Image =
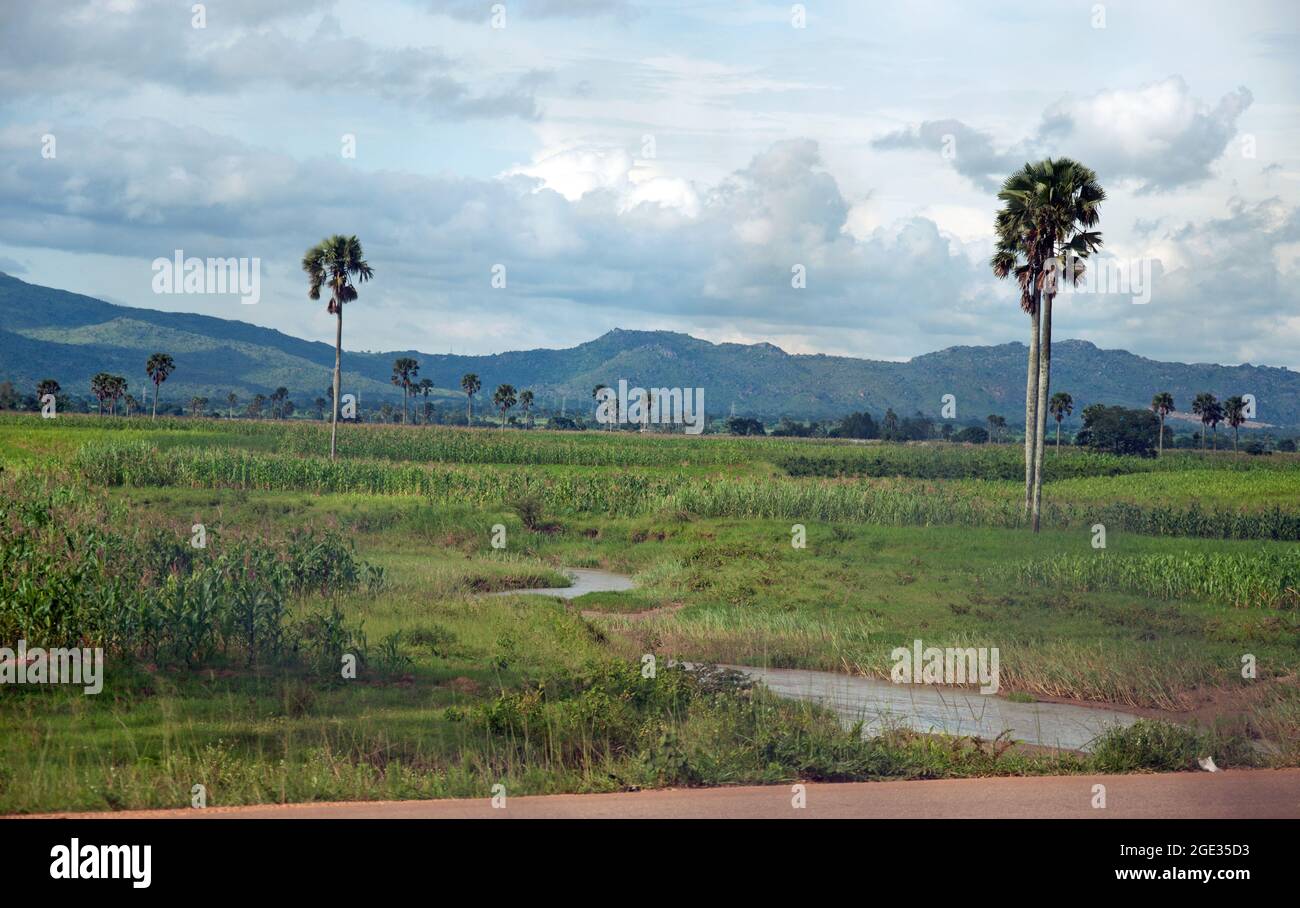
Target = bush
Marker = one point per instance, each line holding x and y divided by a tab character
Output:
973	435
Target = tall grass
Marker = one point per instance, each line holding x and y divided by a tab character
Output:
1266	579
630	492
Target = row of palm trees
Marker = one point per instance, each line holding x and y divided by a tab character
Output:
1206	406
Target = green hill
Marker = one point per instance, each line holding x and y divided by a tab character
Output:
67	336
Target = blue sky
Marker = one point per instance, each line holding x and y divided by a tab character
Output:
661	165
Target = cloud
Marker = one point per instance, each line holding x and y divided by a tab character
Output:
104	48
1158	136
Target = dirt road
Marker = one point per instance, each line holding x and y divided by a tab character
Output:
1230	794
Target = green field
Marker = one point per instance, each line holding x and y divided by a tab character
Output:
223	662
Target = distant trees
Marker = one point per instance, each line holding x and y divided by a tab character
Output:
504	398
974	435
231	399
1234	409
159	366
425	388
279	401
1162	404
1060	406
254	409
996	425
198	405
47	386
1118	430
595	395
858	425
405	369
471	385
107	387
336	262
744	425
320	404
1208	408
526	404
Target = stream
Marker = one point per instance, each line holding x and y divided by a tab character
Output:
882	704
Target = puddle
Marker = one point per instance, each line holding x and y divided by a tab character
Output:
929	709
881	704
585	580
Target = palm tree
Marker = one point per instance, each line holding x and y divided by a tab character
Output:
595	395
1215	415
335	262
256	404
1204	406
1041	234
504	398
470	384
47	386
320	403
197	405
996	425
130	404
116	389
404	369
1061	405
1163	404
425	388
231	399
100	386
1234	408
278	398
159	366
526	402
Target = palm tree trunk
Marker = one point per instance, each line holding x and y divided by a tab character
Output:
1160	442
1031	405
338	365
469	410
154	415
1044	381
1058	436
1234	439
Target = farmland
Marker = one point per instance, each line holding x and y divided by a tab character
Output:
222	661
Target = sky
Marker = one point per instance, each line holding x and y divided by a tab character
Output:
534	173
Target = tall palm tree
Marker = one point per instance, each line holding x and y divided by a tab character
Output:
1204	406
996	425
130	404
526	402
47	386
504	398
336	262
404	370
159	366
1060	406
231	399
1234	408
1042	235
279	397
471	385
1163	405
198	405
595	395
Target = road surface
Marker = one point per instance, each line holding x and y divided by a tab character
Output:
1249	794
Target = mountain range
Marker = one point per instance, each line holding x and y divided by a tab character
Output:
49	333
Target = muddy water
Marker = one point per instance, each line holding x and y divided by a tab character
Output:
881	704
585	580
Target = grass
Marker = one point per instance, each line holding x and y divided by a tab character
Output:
459	691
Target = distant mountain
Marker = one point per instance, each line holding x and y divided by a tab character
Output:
53	333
